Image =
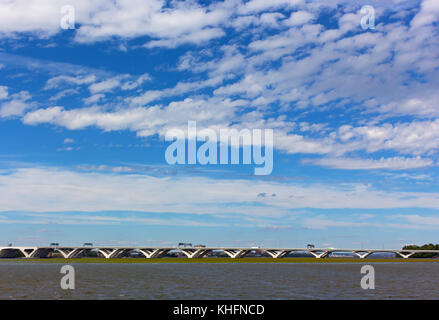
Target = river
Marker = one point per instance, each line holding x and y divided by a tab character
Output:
29	280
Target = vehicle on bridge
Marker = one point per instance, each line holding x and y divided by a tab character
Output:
184	244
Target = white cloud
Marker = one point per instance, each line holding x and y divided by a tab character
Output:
55	82
367	77
395	163
425	104
186	22
271	19
62	190
16	105
62	94
299	18
395	222
105	86
100	20
428	14
33	16
123	81
139	119
130	85
254	6
197	37
96	219
416	137
321	223
3	92
418	219
94	98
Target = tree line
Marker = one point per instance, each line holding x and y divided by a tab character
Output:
429	246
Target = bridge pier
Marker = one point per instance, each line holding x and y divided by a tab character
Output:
119	252
195	253
362	256
151	253
69	253
276	254
109	253
404	256
236	253
27	252
323	254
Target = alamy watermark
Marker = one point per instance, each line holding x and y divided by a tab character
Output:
252	143
68	19
68	281
368	18
368	280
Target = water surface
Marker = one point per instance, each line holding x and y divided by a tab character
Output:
28	280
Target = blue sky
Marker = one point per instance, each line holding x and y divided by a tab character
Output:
84	113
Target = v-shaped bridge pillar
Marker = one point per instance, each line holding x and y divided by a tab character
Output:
362	254
320	255
195	253
236	253
112	252
277	253
405	256
153	253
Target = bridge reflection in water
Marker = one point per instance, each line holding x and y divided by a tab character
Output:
190	252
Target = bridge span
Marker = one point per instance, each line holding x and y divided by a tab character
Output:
190	252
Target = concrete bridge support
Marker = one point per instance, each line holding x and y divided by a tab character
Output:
27	252
405	256
236	253
112	252
151	253
320	255
195	253
276	254
120	252
362	254
68	253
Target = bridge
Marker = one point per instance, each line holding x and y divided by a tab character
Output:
148	252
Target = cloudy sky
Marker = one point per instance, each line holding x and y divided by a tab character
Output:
84	113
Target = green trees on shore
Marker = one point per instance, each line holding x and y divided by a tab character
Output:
429	246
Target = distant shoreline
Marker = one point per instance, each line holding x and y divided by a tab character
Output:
220	260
